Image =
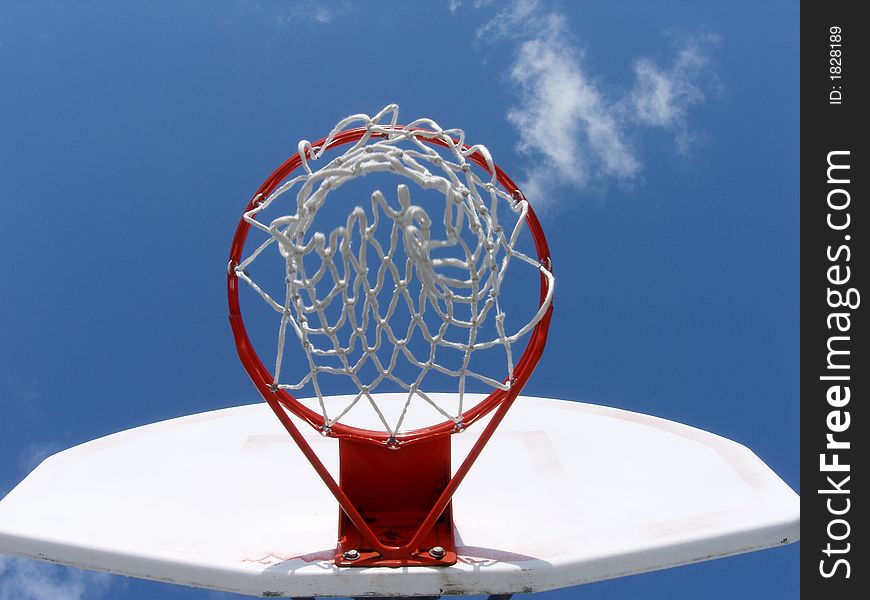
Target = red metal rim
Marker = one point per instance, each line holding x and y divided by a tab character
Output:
261	376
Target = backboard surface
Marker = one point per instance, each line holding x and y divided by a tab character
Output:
565	493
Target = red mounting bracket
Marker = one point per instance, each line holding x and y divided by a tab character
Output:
394	490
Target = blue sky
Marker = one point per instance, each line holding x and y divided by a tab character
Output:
658	142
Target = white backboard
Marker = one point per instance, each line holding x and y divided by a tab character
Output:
565	493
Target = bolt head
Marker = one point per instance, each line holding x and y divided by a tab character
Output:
351	554
437	552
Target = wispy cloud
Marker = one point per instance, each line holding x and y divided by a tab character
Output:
662	96
22	579
574	132
300	11
311	11
522	19
36	452
455	5
563	120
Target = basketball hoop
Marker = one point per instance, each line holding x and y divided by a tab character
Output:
341	311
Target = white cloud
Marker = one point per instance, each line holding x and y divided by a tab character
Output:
286	13
311	11
22	579
522	18
564	121
574	133
454	5
662	97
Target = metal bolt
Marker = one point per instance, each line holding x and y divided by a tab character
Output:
437	552
351	555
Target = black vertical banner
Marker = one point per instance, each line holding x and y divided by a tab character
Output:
835	225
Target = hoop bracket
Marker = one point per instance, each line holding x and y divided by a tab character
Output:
394	491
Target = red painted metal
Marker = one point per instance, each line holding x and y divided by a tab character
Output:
394	491
395	501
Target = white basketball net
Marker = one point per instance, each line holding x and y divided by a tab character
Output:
482	251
